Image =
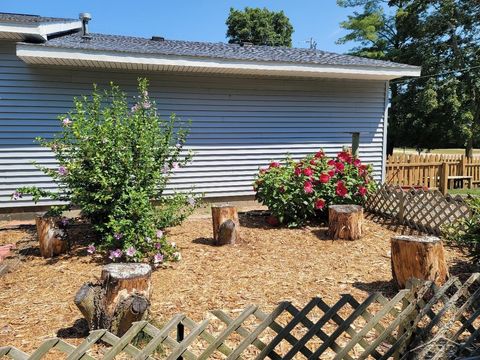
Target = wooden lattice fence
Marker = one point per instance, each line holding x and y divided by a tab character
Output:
424	210
423	322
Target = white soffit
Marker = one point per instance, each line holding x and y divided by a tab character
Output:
39	54
39	31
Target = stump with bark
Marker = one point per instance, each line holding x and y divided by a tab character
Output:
226	226
345	222
420	257
121	297
52	240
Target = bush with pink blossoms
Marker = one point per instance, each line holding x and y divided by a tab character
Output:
298	191
115	160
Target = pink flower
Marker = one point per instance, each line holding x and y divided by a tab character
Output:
298	171
324	178
62	171
159	234
331	162
16	195
313	162
91	249
331	173
115	254
158	258
308	172
344	156
357	163
319	204
66	122
131	251
308	187
341	190
339	166
175	165
274	164
158	246
362	190
320	154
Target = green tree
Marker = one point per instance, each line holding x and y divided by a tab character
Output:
259	26
442	36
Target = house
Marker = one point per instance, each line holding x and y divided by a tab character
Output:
248	104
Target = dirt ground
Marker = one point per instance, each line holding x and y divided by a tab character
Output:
269	265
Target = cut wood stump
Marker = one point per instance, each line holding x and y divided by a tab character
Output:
226	226
120	298
419	257
52	240
345	222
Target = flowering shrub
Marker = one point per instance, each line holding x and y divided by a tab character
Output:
114	162
297	191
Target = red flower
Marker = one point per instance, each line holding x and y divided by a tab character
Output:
308	187
331	173
357	163
319	204
331	162
320	154
339	166
362	190
308	172
344	156
298	171
341	190
362	170
313	162
274	164
324	178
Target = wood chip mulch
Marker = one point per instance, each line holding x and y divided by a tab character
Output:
269	265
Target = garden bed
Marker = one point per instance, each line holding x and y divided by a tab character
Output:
269	265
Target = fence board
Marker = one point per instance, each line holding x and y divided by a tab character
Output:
426	170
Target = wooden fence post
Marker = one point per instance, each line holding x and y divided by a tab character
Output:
444	178
463	166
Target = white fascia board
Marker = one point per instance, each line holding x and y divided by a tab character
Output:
45	55
40	30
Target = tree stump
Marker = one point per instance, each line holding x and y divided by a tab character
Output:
420	257
52	240
345	222
121	297
226	225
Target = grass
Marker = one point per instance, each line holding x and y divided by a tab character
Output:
475	191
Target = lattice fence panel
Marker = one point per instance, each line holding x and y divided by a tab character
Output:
424	321
423	210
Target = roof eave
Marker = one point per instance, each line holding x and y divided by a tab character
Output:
39	54
38	31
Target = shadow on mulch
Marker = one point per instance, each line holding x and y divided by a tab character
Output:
391	225
387	288
204	241
463	269
79	329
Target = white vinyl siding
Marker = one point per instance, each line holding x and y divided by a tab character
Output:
237	123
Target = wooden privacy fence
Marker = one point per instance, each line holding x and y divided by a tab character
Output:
424	210
425	319
432	171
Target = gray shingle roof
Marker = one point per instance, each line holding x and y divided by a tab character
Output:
128	44
30	19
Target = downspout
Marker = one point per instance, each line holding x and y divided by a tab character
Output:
385	129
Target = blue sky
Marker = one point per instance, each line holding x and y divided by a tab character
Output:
202	20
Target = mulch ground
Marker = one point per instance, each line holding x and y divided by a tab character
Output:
269	265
